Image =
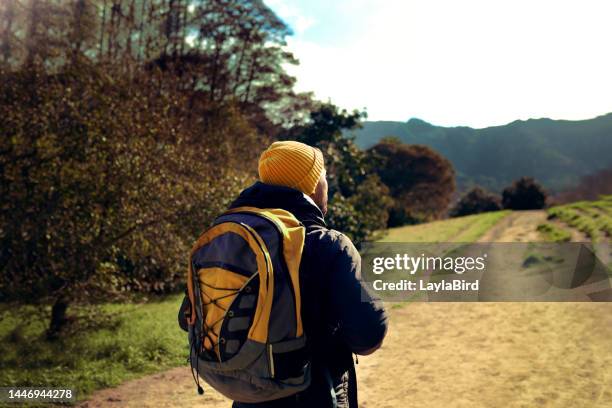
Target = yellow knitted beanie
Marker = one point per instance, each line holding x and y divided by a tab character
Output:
291	164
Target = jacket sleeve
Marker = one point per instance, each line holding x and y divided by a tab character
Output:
362	320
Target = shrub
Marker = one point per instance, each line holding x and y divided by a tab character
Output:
524	194
476	201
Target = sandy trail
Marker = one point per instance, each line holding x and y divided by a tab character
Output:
493	355
452	355
518	226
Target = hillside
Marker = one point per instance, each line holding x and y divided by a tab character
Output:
555	152
577	222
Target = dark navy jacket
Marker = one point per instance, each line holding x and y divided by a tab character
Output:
340	316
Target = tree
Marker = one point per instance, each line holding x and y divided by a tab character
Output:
590	187
420	180
8	42
126	126
82	29
363	215
359	201
109	189
476	201
221	52
524	194
236	55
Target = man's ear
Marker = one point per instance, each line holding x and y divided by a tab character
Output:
320	194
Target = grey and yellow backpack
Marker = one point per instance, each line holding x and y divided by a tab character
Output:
242	311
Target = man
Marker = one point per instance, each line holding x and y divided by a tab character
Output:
340	316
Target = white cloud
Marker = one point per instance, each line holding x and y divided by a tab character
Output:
470	62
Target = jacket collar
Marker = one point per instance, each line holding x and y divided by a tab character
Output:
263	195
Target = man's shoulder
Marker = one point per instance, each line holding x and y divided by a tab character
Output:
329	241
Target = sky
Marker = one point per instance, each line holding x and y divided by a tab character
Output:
471	63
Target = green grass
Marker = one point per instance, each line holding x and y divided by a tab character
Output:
140	339
554	233
594	218
460	229
602	218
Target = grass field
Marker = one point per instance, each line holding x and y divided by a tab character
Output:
137	340
461	229
593	218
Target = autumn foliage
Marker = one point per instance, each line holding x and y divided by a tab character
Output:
420	180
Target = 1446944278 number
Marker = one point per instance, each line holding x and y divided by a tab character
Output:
15	394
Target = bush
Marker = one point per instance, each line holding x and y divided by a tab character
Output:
476	201
524	194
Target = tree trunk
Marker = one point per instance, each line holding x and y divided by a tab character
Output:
58	317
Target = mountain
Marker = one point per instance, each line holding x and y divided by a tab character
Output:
556	152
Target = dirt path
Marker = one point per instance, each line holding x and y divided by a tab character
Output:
521	226
518	226
452	355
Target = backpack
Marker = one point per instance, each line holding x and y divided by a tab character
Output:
243	306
